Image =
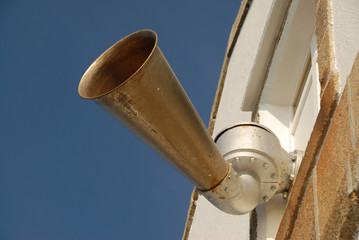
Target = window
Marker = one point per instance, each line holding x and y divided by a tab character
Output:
306	102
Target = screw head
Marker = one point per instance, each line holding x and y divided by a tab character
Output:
265	165
291	177
273	188
285	194
273	176
265	198
229	176
237	158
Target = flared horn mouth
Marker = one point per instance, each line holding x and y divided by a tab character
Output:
115	66
134	83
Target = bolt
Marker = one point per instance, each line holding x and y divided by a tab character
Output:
285	194
229	177
252	159
237	158
273	188
265	165
291	177
294	158
273	175
265	198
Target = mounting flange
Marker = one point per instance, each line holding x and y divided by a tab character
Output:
255	150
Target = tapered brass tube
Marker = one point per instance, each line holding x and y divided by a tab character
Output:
134	83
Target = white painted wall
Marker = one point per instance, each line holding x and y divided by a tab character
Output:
277	119
346	36
209	222
267	215
240	66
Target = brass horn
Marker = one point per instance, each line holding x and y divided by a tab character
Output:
134	83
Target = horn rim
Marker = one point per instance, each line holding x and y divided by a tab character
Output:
85	79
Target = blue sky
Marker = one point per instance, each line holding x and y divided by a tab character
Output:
67	169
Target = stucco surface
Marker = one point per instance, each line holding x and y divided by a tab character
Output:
346	36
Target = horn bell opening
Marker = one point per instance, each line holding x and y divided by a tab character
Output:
116	65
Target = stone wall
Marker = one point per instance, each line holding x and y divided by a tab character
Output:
323	203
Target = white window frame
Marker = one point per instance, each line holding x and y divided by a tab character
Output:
311	86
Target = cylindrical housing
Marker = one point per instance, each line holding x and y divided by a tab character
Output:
134	83
245	141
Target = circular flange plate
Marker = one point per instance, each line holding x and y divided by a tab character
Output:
259	167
